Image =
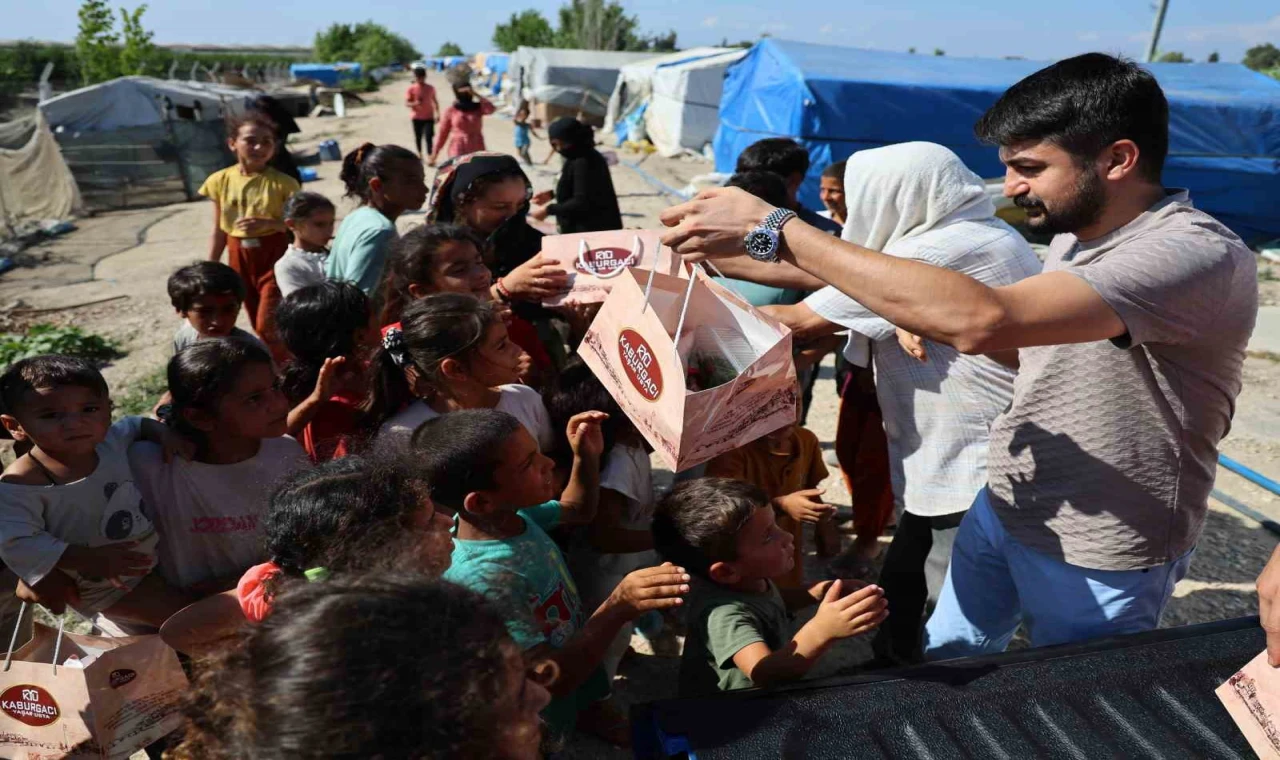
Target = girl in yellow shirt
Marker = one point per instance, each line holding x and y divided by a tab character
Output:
248	216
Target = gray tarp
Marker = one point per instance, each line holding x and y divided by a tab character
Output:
579	79
35	183
140	102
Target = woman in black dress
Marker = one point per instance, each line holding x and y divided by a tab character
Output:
584	199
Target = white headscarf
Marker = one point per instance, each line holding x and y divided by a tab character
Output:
900	191
904	190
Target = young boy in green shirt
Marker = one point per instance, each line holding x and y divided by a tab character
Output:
485	465
724	532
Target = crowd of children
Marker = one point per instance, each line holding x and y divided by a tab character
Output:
407	412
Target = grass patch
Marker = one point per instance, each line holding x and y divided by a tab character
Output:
52	339
1270	356
142	394
1267	274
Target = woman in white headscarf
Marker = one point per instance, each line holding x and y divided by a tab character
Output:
919	201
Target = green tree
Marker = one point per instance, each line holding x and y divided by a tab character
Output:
911	50
1262	57
337	43
597	25
528	27
371	45
663	43
1213	57
1173	56
96	43
449	48
939	51
138	49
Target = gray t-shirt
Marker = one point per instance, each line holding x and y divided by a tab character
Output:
1107	454
186	335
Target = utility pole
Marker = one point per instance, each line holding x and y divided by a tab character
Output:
1155	30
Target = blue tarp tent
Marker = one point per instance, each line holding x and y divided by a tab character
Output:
326	73
1224	122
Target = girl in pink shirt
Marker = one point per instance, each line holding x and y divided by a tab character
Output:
461	123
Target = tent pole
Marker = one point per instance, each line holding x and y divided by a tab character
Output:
1155	30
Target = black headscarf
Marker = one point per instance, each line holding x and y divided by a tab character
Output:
465	101
576	136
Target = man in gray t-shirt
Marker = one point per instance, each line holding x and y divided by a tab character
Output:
1130	346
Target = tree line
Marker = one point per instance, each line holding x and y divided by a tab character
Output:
583	25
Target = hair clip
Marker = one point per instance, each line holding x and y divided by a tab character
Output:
393	344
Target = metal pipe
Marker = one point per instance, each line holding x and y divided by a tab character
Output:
1252	476
1247	511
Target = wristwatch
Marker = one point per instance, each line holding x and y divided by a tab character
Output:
762	242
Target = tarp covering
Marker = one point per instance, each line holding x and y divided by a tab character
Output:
35	183
684	109
579	79
326	73
1224	124
635	81
142	101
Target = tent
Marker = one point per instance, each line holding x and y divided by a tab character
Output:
681	99
1224	121
329	74
35	183
137	141
571	79
635	81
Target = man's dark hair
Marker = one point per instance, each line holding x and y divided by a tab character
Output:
835	171
697	524
1082	105
202	279
459	452
780	155
767	186
48	371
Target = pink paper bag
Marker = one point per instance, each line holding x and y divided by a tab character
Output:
640	347
594	260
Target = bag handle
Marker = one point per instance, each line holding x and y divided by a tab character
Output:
13	640
684	310
637	250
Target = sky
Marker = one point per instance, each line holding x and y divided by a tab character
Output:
984	28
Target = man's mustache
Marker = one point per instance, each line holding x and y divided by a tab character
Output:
1027	201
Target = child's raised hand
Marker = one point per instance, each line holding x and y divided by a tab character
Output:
653	588
584	434
174	444
535	280
805	506
324	381
841	615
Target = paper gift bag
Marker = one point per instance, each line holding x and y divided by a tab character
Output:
653	327
128	696
594	260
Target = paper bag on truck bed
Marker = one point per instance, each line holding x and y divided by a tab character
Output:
595	259
649	351
128	695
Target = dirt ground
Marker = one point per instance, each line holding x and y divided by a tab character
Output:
127	256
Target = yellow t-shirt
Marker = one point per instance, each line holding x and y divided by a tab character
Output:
249	195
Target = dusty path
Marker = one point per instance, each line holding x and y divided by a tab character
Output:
132	253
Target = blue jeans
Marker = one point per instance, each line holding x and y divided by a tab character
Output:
994	583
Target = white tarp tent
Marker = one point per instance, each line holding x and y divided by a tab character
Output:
139	141
575	79
142	101
635	81
684	107
35	183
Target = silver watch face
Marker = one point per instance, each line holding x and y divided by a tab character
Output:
762	244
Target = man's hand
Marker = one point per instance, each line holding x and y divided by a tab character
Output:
912	344
584	434
653	588
840	616
543	198
54	592
805	506
715	223
1269	606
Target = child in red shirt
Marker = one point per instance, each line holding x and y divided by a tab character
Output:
328	329
423	105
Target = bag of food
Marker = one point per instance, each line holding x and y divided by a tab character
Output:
595	259
696	368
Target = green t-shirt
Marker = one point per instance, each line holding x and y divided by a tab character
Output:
360	249
525	577
722	622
